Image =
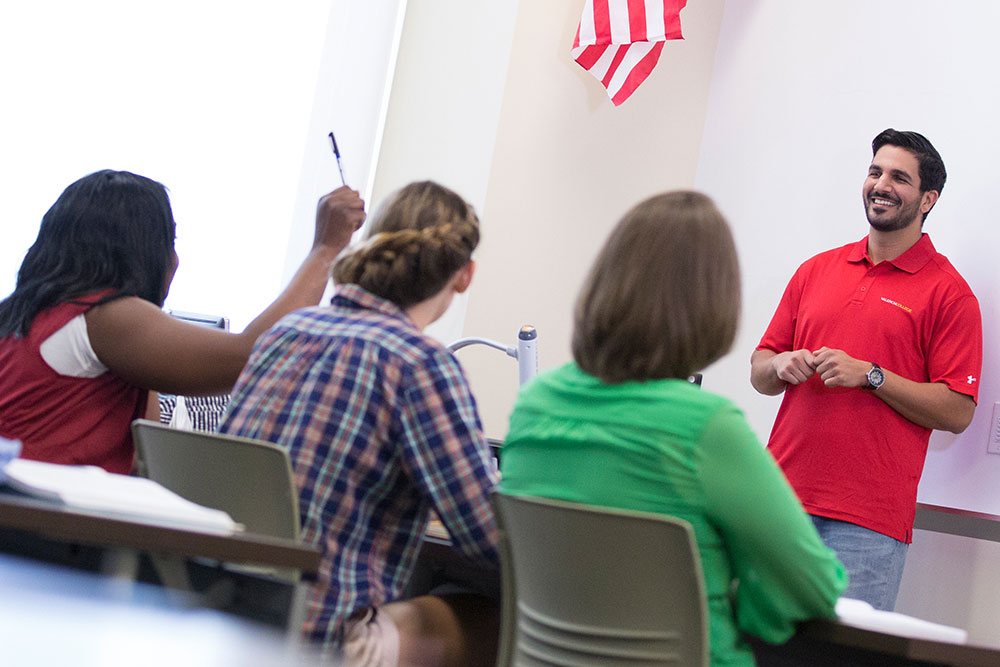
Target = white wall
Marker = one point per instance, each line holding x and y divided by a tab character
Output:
567	166
444	109
351	98
227	103
212	99
798	92
953	580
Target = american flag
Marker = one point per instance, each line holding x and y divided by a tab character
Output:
619	41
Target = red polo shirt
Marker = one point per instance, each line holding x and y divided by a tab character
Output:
847	454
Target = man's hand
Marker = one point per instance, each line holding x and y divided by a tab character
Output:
771	372
929	404
338	215
838	369
794	366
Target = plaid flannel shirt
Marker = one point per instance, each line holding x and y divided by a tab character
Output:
381	427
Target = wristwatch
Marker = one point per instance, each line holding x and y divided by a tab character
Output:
876	377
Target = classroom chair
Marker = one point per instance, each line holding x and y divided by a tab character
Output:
585	585
249	479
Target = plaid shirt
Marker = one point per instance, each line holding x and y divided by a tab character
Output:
381	428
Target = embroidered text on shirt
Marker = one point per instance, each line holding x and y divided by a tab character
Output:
897	304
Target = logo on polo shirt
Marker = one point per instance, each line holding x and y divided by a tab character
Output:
897	304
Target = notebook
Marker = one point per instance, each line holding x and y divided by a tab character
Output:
92	489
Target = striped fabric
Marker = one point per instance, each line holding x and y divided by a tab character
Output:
204	412
381	427
619	41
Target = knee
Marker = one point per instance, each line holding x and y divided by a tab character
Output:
427	631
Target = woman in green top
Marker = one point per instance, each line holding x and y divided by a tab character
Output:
622	427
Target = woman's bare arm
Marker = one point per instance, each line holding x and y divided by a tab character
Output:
138	341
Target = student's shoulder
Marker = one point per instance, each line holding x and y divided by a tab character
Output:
714	408
726	432
397	339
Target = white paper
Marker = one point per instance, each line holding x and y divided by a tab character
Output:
93	489
860	614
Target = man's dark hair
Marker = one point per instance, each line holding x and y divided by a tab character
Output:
932	172
111	230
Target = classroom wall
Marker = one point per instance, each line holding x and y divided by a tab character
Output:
212	99
441	120
351	96
566	167
953	580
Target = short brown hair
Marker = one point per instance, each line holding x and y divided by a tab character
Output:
420	237
663	298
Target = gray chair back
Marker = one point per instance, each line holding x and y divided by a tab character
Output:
249	479
587	585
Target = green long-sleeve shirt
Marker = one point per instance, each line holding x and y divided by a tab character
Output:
667	446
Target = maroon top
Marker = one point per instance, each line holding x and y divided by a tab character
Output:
63	419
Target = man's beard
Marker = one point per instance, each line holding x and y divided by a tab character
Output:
904	215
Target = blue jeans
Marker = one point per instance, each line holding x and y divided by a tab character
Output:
874	561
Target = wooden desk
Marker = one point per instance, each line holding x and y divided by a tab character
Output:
53	533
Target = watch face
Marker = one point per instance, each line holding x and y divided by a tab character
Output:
876	377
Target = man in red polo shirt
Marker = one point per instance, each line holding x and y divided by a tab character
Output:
874	345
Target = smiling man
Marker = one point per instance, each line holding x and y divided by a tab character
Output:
874	345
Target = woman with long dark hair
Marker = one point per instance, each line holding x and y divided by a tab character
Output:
83	337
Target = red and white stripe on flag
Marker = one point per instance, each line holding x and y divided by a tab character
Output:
619	41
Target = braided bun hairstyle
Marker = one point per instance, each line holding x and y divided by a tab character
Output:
419	238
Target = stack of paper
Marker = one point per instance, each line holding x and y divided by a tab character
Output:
92	489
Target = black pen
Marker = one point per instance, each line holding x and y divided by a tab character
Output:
336	152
